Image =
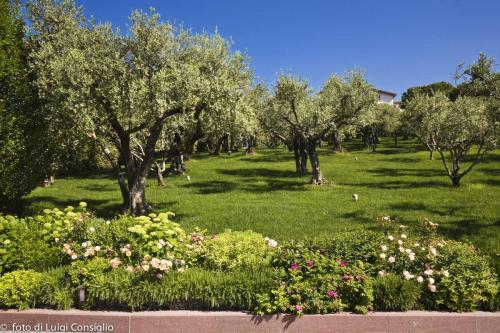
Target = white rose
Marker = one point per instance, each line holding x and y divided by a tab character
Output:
92	229
431	280
272	243
400	242
446	273
84	244
403	236
384	248
392	259
432	288
401	249
420	279
428	272
391	238
381	273
74	256
97	248
408	251
382	256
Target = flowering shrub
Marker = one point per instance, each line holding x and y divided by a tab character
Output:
151	262
452	275
238	250
18	289
314	282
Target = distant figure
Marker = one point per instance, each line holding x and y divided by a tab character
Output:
188	178
355	197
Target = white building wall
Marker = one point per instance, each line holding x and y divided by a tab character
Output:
385	98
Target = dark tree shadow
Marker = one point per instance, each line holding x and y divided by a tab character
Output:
397	184
212	187
258	172
399	172
102	207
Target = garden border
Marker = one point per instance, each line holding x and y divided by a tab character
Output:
220	322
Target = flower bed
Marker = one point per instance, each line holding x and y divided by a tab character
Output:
71	259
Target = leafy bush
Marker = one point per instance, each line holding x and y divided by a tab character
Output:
55	290
314	282
18	289
393	293
233	250
150	262
194	289
22	246
470	284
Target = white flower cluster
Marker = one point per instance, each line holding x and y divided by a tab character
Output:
126	250
69	251
399	243
270	242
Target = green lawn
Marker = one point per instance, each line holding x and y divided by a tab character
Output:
262	193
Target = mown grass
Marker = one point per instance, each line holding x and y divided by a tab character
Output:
261	192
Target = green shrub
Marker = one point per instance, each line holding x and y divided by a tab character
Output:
236	250
18	289
22	246
394	293
310	281
471	283
55	290
194	289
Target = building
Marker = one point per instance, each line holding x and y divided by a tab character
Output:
386	96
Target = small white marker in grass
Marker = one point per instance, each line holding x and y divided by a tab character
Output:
355	197
188	178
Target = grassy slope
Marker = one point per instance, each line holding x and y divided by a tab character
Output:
261	193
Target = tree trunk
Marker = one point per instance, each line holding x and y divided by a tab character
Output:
124	191
395	139
317	177
160	167
296	154
137	198
455	181
431	155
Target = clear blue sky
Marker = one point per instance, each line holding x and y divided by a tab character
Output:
398	44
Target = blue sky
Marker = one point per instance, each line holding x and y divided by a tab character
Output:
398	44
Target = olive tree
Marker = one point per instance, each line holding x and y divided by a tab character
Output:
459	130
309	118
377	121
124	89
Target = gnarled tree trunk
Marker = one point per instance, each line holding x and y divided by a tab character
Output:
316	177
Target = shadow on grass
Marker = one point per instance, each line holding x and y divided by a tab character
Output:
212	186
398	172
271	174
398	184
269	158
103	208
490	171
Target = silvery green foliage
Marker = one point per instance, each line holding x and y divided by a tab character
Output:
457	129
131	91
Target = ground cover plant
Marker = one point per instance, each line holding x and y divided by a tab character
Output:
262	193
150	262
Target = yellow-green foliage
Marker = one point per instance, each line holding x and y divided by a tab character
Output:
237	250
18	289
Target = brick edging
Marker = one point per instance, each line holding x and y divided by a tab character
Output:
222	322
